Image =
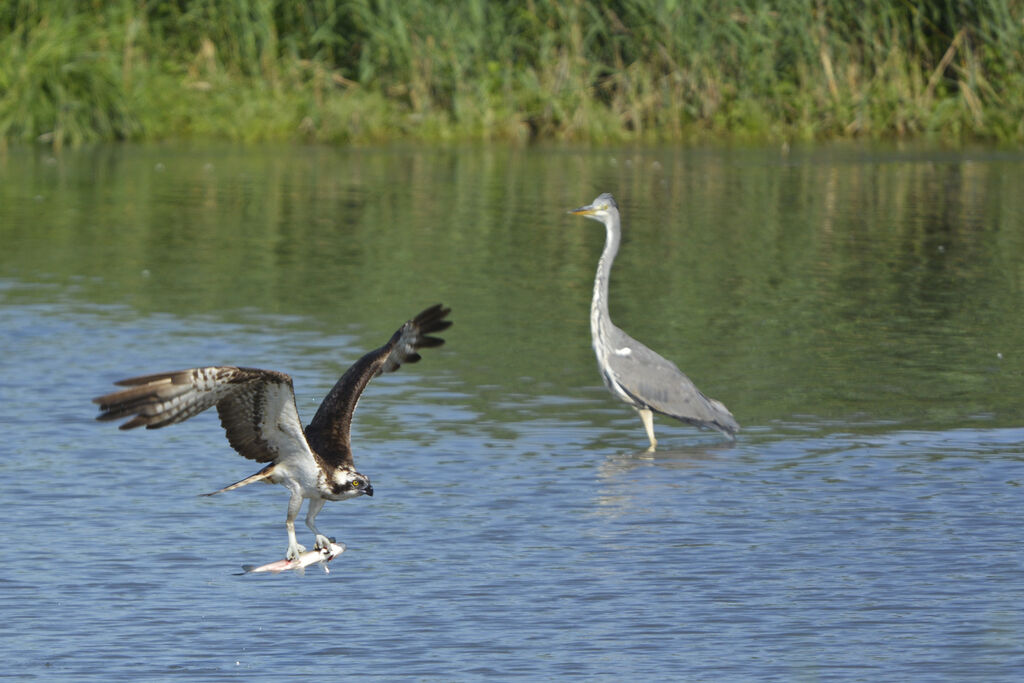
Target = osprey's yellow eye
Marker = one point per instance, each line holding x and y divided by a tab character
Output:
357	483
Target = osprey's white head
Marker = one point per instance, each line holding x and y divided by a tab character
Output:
346	483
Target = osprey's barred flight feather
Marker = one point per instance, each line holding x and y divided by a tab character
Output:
258	412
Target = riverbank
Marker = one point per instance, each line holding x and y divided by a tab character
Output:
367	72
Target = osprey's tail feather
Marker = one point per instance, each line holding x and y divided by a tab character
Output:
259	476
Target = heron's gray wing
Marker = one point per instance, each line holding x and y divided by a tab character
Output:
256	407
328	433
656	382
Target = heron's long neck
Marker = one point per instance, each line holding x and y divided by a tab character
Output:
599	304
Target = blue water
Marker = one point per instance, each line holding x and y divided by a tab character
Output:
865	526
801	552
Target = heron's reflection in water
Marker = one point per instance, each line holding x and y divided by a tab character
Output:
624	485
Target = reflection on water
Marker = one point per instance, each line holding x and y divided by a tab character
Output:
858	310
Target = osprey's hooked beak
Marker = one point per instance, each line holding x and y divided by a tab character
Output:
368	490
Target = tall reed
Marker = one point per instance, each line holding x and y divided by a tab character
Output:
367	70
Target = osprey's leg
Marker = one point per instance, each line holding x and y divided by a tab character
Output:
647	417
315	505
294	549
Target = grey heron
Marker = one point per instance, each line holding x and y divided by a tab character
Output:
631	371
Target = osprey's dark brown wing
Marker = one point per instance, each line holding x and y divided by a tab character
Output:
328	433
256	407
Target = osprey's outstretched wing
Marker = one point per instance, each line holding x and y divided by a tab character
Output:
256	407
328	433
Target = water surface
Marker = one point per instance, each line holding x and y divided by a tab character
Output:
859	311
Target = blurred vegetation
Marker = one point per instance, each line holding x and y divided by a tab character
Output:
831	282
73	71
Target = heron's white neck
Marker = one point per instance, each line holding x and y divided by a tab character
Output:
599	304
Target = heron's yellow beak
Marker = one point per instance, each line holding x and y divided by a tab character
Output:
588	210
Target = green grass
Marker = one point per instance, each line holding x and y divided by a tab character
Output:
363	71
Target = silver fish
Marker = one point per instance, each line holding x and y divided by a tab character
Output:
323	556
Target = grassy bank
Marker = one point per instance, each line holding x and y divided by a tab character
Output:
368	71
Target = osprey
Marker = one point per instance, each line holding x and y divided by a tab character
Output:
257	410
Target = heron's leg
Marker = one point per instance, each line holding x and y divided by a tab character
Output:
294	549
647	417
315	505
